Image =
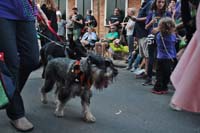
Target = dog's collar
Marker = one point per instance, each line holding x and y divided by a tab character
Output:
81	77
76	67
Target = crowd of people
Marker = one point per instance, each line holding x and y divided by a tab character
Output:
158	39
163	32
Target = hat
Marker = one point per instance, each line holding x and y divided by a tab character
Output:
58	13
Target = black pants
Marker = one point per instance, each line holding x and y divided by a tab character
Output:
163	73
152	56
18	41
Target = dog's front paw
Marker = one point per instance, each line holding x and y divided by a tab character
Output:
59	113
88	117
56	102
44	98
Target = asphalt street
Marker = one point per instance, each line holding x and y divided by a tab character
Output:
124	107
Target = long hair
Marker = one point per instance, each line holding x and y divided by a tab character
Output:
166	26
50	4
154	6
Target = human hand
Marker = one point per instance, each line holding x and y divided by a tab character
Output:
180	53
173	12
134	18
123	24
155	30
154	20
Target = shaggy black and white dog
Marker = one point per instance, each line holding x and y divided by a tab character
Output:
75	78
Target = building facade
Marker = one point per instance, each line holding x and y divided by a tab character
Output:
102	9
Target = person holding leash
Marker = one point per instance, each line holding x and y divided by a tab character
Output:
18	42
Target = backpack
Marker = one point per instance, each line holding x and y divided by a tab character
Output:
7	87
94	21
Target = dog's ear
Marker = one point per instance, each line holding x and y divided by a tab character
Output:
108	62
87	59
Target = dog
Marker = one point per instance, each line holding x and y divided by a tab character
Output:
75	78
73	50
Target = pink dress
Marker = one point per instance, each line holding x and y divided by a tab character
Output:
186	76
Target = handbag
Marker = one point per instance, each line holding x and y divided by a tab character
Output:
163	42
7	87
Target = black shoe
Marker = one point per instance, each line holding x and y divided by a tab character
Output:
147	82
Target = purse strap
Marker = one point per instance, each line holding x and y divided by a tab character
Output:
166	48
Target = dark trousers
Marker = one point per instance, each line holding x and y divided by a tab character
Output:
152	56
163	72
18	41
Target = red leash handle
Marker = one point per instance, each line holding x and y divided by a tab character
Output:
1	56
39	17
54	32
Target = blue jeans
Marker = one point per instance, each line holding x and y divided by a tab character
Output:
137	61
18	41
130	41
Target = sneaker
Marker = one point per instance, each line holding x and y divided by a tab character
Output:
164	92
22	124
147	82
141	76
133	69
128	68
136	70
159	92
156	92
139	71
174	107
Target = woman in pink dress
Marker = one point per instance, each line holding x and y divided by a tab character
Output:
186	76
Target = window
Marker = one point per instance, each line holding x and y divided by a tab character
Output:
110	5
83	5
61	4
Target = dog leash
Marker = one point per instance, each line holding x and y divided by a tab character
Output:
56	43
51	40
50	28
54	32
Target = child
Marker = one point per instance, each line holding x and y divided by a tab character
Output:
69	28
129	33
166	52
61	26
